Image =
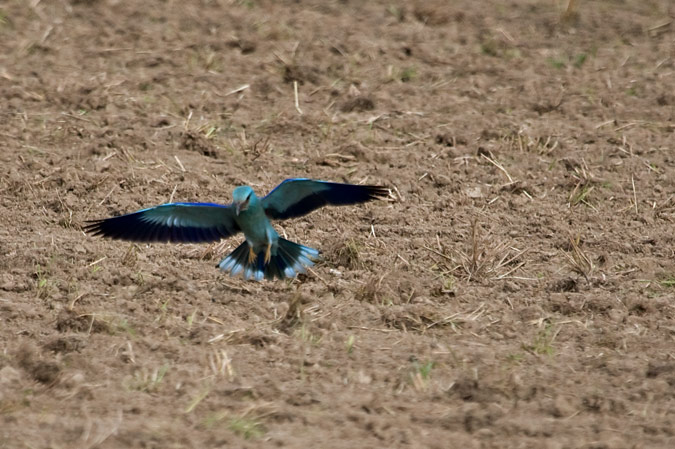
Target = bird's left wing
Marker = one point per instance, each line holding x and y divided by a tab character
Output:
174	222
298	197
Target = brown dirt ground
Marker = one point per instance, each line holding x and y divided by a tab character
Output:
517	291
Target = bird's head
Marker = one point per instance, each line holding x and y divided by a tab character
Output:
242	197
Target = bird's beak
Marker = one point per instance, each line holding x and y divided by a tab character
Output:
237	208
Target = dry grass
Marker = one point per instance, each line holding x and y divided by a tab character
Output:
373	291
580	194
348	254
577	258
483	259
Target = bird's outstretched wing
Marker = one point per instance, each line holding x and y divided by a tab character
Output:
174	222
297	197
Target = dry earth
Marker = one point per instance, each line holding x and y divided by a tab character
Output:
516	291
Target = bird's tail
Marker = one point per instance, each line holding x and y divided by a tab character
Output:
289	260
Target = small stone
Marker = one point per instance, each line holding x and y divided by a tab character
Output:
474	192
9	375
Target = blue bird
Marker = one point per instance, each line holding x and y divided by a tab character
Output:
263	254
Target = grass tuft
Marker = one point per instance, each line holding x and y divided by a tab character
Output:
580	194
667	281
305	333
486	259
543	341
407	74
372	291
199	397
421	374
43	285
580	59
148	382
247	428
578	260
349	255
349	345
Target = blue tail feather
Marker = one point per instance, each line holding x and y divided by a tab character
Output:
289	260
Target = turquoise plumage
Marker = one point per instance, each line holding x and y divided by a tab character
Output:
264	254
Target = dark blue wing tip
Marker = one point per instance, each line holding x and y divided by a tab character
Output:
354	193
377	192
93	227
113	228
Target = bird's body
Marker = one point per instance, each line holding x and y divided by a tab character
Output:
264	254
252	220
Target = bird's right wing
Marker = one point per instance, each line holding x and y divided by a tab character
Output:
174	222
300	196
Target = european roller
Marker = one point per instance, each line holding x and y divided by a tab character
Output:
264	254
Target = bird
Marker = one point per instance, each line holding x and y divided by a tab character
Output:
263	254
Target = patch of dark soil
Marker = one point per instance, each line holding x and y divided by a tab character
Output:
43	371
194	141
358	104
301	74
66	344
71	321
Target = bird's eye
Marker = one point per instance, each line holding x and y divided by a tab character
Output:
248	198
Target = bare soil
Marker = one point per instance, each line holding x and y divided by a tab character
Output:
517	290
